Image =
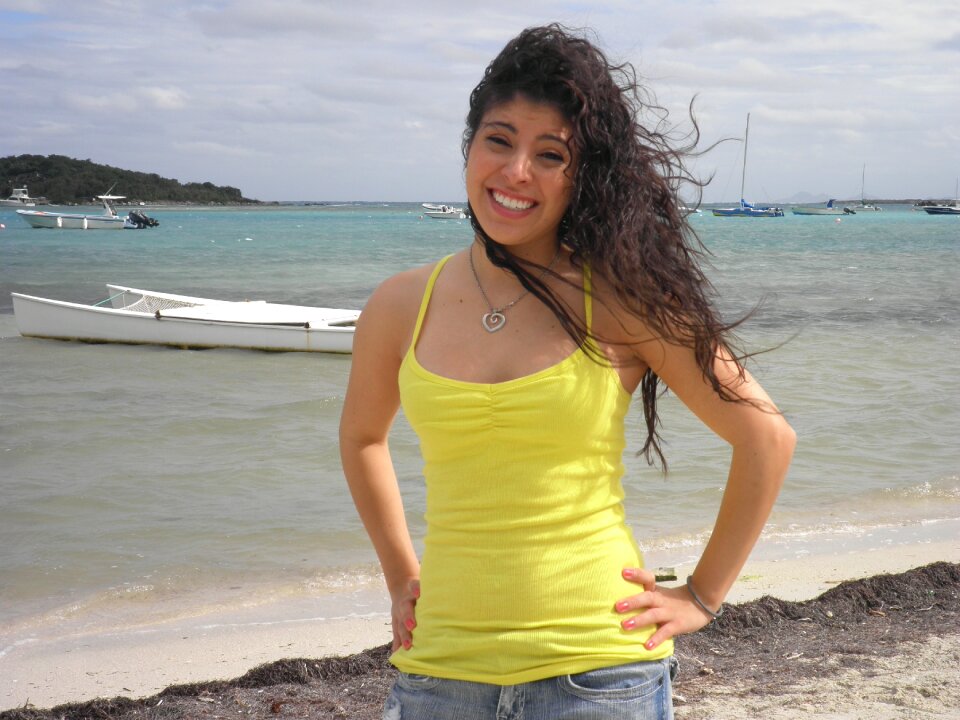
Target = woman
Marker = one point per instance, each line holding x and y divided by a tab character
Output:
515	360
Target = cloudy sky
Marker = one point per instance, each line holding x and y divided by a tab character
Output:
365	100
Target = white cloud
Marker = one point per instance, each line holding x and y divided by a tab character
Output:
101	103
308	98
168	98
215	149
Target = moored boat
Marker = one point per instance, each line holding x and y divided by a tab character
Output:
444	212
133	316
864	206
107	220
828	209
21	198
746	209
944	209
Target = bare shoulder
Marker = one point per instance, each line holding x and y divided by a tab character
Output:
390	313
614	322
398	291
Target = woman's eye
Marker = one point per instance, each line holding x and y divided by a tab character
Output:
497	140
553	156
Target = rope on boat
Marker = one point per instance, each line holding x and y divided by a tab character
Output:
109	299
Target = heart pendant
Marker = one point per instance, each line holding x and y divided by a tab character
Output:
493	321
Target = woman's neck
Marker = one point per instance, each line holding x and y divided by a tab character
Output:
539	254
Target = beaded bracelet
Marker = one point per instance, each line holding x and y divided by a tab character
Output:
698	601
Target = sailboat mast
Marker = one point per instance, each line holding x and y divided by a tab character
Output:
743	173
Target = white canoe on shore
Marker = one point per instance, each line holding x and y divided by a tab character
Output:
153	318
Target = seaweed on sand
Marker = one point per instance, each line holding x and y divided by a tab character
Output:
768	645
761	647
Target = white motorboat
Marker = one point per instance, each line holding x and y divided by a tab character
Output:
444	212
828	209
21	198
108	220
144	317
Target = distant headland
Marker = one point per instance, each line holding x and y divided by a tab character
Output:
66	181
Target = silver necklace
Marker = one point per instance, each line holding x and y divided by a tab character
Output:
495	319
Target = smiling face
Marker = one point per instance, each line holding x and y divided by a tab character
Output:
520	174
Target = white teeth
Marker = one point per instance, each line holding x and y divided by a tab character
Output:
511	203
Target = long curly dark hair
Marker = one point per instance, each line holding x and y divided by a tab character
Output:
624	219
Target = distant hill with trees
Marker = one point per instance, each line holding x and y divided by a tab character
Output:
63	181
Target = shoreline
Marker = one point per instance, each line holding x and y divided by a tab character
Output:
143	661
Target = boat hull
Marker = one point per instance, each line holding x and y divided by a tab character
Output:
446	215
942	210
820	211
69	221
829	209
56	319
748	212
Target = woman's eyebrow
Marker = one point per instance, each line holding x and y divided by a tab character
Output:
507	126
501	124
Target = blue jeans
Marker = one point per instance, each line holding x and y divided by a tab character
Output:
638	691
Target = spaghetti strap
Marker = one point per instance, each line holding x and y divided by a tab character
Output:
587	299
427	293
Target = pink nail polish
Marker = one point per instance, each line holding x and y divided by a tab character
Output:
649	645
409	624
629	624
622	606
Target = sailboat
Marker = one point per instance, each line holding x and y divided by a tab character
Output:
746	209
864	206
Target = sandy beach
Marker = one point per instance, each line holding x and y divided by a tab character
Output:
921	676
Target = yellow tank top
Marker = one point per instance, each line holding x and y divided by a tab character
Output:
526	536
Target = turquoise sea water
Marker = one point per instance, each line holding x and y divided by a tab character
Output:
138	483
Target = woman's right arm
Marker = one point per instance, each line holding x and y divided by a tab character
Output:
370	406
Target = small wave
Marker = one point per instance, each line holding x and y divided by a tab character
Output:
948	489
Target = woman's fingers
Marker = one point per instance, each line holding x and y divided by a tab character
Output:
669	610
663	633
404	616
641	576
640	601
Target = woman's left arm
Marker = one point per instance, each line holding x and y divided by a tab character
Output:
762	442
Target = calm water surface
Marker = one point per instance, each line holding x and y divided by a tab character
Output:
140	482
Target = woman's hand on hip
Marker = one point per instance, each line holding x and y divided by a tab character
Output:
672	610
402	611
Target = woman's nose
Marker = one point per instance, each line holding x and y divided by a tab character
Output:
518	167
